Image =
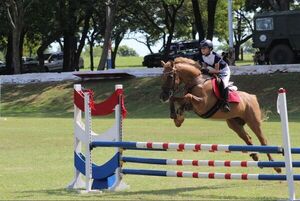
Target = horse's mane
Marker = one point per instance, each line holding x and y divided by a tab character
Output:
187	61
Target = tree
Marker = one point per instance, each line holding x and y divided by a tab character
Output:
6	38
198	19
92	37
211	11
17	11
126	51
110	14
159	20
243	29
171	10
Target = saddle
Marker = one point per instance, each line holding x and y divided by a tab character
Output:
218	88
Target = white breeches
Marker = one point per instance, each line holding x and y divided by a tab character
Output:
225	76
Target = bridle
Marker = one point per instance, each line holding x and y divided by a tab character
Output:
169	87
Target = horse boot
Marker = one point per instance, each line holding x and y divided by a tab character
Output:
226	107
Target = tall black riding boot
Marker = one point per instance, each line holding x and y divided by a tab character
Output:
226	107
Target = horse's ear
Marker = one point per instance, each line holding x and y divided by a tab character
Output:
162	63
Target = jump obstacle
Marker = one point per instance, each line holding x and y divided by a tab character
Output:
108	176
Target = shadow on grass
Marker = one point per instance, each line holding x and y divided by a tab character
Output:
135	195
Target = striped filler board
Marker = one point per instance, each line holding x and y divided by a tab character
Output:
206	175
212	163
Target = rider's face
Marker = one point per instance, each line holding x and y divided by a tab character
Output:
205	50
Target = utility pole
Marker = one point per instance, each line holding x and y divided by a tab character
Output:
231	53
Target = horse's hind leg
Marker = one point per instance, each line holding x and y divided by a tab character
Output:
254	123
237	125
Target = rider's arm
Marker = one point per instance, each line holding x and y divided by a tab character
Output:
216	67
215	70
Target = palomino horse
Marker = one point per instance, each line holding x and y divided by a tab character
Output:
200	98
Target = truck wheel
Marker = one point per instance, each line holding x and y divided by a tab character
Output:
281	54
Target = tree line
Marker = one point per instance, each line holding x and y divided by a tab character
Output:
74	24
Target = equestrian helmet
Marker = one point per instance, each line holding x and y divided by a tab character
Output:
206	43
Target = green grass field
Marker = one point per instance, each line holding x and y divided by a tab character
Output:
121	62
37	141
37	161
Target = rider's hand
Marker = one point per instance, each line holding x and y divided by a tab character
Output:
204	71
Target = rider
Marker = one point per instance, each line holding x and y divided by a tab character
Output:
212	63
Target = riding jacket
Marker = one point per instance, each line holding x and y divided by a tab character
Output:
212	59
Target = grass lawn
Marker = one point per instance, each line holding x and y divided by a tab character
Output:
37	161
37	141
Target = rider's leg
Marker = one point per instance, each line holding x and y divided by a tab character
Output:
225	76
226	107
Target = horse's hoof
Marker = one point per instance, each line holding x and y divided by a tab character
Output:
178	121
278	170
254	156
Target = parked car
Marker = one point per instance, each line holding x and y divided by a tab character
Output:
2	64
3	69
54	62
180	49
30	65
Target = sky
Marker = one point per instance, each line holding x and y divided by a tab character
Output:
140	48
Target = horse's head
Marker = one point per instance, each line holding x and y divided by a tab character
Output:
170	81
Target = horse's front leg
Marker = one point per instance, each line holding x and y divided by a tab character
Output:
193	101
177	113
172	109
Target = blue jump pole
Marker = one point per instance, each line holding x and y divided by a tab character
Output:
158	161
206	175
192	147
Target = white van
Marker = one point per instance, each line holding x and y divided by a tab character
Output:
55	62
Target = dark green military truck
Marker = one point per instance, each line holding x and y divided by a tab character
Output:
277	36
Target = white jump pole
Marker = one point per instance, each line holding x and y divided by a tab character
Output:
119	137
88	134
282	111
78	181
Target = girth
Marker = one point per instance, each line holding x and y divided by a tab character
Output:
212	110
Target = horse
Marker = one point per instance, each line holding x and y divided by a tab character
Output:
200	98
